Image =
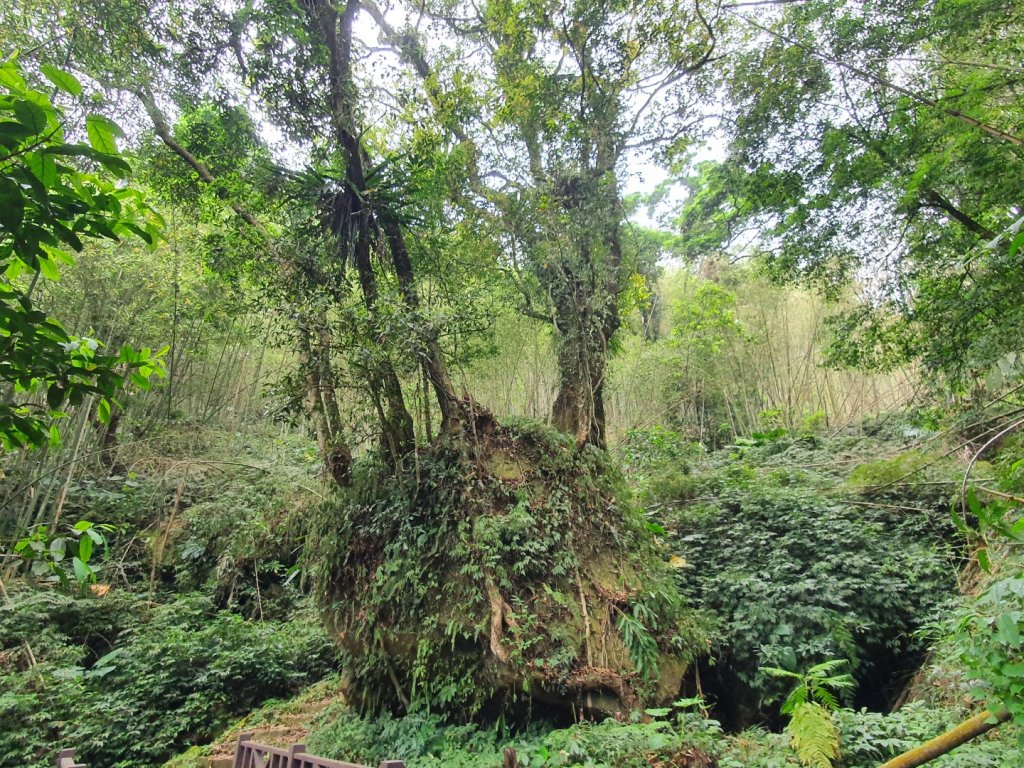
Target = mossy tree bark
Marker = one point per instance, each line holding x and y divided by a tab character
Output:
360	229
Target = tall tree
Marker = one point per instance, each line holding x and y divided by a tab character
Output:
173	55
567	92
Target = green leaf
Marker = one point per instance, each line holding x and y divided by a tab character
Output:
68	673
1007	630
101	132
693	701
82	571
103	411
44	167
48	269
58	548
63	80
12	204
958	520
32	116
10	77
983	560
814	735
104	661
85	549
972	502
12	133
1016	243
117	166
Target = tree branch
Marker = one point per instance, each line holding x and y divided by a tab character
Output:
934	200
162	130
928	102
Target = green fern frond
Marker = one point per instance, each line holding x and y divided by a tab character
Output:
782	673
823	697
825	668
795	698
813	735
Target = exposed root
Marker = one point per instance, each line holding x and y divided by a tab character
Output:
498	614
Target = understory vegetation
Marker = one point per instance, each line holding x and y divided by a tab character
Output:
788	549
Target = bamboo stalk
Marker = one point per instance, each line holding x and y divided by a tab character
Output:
981	723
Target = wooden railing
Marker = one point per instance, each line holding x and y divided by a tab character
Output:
251	754
66	759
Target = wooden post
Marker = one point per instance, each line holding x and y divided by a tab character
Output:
240	751
293	752
951	739
66	759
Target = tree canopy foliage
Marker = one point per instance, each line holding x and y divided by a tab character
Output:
881	143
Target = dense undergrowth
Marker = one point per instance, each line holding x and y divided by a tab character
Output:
807	550
805	547
792	548
686	740
191	619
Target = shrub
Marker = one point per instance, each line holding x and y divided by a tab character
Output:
131	683
425	741
800	569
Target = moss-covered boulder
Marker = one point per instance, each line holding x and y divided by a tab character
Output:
506	566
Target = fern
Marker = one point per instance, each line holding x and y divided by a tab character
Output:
813	735
811	730
641	645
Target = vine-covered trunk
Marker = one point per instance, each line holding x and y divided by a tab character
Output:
585	292
582	365
314	346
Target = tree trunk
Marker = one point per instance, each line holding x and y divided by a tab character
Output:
108	450
351	220
433	362
585	292
321	400
579	405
